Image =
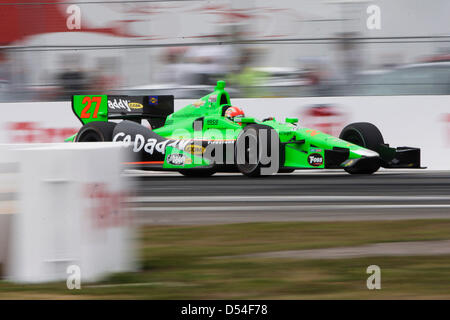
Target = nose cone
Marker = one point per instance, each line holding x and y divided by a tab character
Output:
365	152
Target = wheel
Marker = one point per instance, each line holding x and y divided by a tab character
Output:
249	163
96	131
368	136
363	134
197	173
286	170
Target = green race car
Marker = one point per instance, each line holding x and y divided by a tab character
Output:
210	135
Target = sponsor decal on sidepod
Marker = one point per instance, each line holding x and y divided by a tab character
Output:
315	159
176	159
150	145
195	149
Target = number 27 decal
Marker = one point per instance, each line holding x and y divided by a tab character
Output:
88	101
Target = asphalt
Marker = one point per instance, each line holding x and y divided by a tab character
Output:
169	198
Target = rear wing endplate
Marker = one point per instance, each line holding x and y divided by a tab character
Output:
90	108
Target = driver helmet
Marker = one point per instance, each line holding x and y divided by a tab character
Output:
234	113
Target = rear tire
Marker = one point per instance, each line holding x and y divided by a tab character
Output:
96	131
366	135
197	173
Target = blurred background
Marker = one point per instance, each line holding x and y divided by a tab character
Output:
287	48
301	235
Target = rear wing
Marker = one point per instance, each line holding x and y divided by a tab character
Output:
155	109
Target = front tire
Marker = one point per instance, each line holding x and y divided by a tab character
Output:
286	170
252	167
366	135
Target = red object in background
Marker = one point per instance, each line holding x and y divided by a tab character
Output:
29	18
446	119
33	17
326	118
437	58
313	78
31	132
107	209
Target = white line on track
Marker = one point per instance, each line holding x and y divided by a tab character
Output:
141	284
143	173
296	208
283	198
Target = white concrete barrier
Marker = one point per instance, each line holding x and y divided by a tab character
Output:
8	195
68	212
417	121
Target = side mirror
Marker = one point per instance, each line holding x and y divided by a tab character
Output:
247	120
292	120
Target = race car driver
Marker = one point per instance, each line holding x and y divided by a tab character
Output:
233	113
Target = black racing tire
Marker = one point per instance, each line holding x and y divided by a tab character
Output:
197	173
96	131
366	135
363	134
286	170
368	168
253	169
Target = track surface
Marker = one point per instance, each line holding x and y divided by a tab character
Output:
169	198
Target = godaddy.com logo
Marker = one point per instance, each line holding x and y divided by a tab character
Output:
253	148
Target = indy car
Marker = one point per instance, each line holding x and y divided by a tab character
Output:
211	135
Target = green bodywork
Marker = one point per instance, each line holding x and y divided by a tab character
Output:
210	108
